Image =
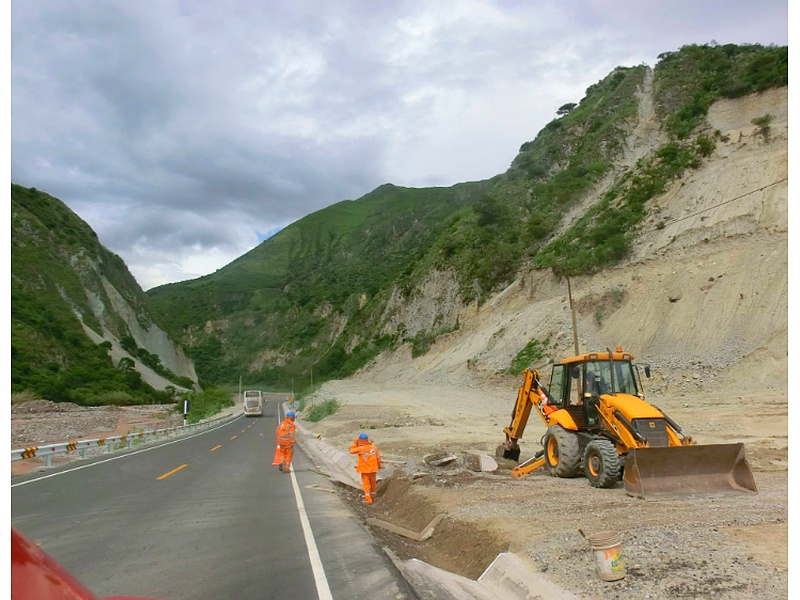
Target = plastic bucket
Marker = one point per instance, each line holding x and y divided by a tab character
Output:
608	559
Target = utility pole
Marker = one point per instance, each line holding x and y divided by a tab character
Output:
574	325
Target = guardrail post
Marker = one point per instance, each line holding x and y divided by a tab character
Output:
48	460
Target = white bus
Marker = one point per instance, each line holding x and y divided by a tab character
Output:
253	403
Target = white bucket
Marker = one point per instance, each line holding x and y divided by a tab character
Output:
608	559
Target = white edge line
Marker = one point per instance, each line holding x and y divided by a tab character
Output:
100	462
321	581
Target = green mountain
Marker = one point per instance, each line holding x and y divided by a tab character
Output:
327	294
81	327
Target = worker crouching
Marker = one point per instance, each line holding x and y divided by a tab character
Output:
369	463
284	436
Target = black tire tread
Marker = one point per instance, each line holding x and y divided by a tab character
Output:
610	470
569	452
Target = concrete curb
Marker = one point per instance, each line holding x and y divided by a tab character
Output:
334	463
507	578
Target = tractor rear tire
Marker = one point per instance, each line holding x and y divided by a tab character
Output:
601	463
562	452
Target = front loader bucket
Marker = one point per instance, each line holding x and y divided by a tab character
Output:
687	470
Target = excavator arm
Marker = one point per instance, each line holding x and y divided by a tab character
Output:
531	396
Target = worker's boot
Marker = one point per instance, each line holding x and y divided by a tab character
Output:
280	467
368	499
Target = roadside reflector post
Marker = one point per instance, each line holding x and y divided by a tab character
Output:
185	411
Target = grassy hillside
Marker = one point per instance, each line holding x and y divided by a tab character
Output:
56	266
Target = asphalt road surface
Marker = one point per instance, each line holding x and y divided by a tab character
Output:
204	517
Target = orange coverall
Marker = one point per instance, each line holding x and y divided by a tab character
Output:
369	462
284	436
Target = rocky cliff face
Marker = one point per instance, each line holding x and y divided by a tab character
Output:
109	307
703	298
148	336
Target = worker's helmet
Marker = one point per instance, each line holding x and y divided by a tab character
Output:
290	414
363	436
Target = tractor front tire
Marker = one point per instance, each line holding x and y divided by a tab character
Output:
601	463
562	452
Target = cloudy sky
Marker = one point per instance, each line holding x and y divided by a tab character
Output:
186	131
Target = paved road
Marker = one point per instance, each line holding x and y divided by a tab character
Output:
206	517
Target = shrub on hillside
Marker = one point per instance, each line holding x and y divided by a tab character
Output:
324	409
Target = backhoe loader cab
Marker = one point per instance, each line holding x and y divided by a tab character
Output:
577	383
599	426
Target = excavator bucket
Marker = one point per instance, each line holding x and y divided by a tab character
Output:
686	470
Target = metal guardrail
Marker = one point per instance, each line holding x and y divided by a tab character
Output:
113	443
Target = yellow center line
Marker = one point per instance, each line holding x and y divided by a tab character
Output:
243	430
216	447
234	437
165	475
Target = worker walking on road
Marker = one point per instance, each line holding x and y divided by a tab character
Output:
284	436
369	463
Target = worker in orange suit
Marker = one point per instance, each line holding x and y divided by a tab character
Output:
369	463
284	436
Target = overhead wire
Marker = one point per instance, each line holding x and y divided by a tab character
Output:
728	201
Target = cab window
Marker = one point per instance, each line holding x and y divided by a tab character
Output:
557	384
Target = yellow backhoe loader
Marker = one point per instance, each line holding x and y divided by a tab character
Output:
599	425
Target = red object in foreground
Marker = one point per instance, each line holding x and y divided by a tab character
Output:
35	575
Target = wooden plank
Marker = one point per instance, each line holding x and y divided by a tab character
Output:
394	529
428	531
412	535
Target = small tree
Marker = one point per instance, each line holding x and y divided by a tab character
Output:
763	125
566	108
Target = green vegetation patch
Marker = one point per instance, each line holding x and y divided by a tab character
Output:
324	409
205	404
534	351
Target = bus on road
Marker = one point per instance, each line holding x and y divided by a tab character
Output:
253	403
